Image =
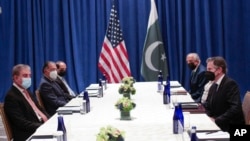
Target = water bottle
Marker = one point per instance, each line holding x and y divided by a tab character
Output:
105	81
181	117
86	98
177	120
159	84
166	94
83	108
160	81
100	92
160	77
58	136
193	136
61	127
101	84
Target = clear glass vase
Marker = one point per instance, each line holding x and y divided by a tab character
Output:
126	95
125	115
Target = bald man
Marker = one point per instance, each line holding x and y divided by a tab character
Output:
197	79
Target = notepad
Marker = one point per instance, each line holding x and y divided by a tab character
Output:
213	135
68	110
93	92
93	87
42	137
189	105
175	84
178	91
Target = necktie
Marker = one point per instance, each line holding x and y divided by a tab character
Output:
34	107
212	91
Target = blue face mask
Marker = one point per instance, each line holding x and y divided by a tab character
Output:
26	82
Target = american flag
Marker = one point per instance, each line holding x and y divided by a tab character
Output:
113	60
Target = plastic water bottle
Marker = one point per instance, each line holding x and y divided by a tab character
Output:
86	98
61	127
193	136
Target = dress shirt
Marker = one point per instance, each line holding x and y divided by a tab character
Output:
206	90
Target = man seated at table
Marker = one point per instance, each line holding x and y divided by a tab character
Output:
223	104
61	71
197	79
51	93
22	110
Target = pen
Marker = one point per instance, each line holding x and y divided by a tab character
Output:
212	132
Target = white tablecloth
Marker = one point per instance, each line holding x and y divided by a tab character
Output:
151	119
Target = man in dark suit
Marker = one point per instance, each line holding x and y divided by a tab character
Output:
52	94
223	103
24	113
61	71
197	79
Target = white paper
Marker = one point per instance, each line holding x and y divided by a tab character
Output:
93	86
175	84
69	108
215	135
54	139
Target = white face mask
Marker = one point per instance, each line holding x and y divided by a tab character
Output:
26	82
53	75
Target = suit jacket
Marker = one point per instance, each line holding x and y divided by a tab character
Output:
197	83
52	95
225	105
64	87
22	118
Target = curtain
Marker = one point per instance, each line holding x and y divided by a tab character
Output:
34	31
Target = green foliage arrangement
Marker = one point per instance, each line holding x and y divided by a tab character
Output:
110	133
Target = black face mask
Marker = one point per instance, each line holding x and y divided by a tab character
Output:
62	73
191	66
209	75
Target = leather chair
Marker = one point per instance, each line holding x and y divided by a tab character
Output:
246	107
6	123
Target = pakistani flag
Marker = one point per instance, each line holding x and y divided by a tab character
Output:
154	57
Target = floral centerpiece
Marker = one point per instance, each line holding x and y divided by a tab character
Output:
127	87
125	105
129	80
110	133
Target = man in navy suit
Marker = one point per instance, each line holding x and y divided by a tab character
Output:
22	110
223	103
61	71
52	94
197	79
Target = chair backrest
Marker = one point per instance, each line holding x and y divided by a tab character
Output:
246	107
39	99
6	123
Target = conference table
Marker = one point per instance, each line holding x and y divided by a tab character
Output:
151	119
